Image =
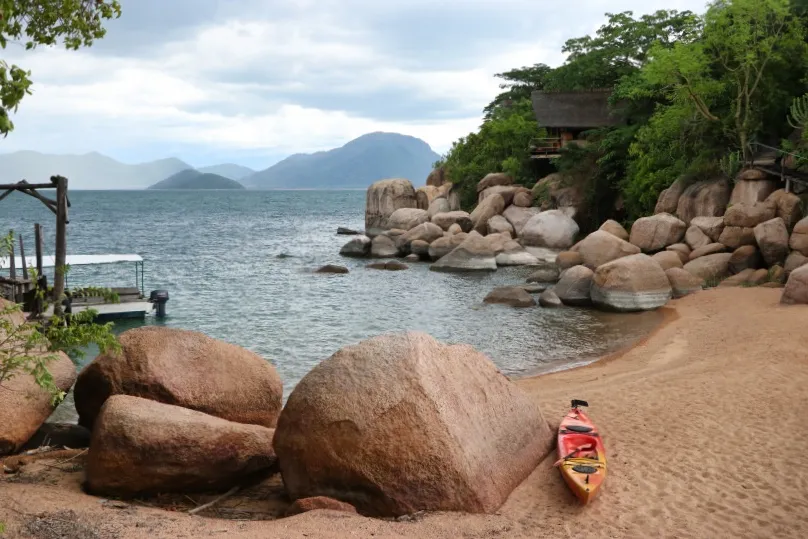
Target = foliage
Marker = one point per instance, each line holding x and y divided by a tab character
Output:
731	164
74	23
798	112
519	85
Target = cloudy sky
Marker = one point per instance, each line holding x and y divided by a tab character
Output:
251	81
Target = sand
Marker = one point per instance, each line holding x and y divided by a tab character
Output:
705	424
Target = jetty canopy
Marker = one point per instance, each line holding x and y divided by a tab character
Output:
49	261
583	109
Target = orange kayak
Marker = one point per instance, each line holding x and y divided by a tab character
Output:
582	457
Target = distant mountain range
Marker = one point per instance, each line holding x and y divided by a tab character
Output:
194	179
355	165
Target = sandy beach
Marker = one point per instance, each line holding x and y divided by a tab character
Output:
704	425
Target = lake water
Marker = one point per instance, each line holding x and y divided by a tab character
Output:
216	252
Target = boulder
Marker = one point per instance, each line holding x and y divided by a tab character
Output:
668	259
710	267
391	265
342	231
736	236
551	229
420	248
485	210
709	249
787	206
696	238
711	226
546	273
744	257
140	446
535	288
657	232
383	247
446	220
601	247
499	242
777	274
332	268
507	192
795	260
796	290
412	258
681	249
427	232
632	283
548	298
749	215
439	205
513	254
24	406
683	282
616	229
383	198
492	179
568	259
183	368
498	224
304	505
668	199
402	423
437	177
510	295
799	237
573	287
523	199
445	245
456	229
703	199
408	218
752	188
474	254
752	174
558	192
518	217
747	277
425	195
357	246
772	238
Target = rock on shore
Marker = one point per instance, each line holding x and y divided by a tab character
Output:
383	198
632	283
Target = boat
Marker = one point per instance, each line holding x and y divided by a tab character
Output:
582	457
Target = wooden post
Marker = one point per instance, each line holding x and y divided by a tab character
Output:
24	265
61	244
12	271
38	248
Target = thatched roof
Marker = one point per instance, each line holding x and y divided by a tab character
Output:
582	109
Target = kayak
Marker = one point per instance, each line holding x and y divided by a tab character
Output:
582	457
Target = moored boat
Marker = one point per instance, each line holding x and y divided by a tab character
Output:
582	456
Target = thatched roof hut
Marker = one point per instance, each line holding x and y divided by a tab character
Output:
575	110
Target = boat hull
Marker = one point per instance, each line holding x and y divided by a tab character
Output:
582	456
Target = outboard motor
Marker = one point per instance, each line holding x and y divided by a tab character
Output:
159	298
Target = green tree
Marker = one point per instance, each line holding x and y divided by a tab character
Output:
519	85
29	23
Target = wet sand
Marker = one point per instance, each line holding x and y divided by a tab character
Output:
704	424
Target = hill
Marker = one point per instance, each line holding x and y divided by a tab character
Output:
228	170
194	179
355	165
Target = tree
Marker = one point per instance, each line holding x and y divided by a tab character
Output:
73	23
519	85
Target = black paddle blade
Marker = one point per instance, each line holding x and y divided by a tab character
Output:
576	403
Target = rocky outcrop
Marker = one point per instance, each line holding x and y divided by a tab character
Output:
752	186
614	228
420	248
745	257
748	277
456	229
551	229
439	205
383	247
573	287
601	247
427	232
544	273
711	226
709	249
787	206
460	218
492	179
772	238
696	238
425	195
408	218
796	290
668	259
437	177
498	224
518	217
548	298
749	215
183	368
703	199
710	267
683	282
655	233
556	192
139	446
507	192
523	199
632	283
383	198
795	260
485	210
474	254
799	237
358	246
568	259
304	505
445	245
403	423
736	236
513	296
513	254
668	199
681	249
332	268
498	242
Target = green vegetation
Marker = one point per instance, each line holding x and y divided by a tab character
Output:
696	91
29	23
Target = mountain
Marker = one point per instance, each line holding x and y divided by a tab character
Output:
228	170
193	179
355	165
88	171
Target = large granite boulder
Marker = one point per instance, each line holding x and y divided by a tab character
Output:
703	199
474	254
304	505
737	236
682	250
601	247
752	186
383	198
402	423
183	368
695	237
514	296
485	210
408	218
683	282
24	406
551	229
445	245
668	259
772	238
437	177
357	246
544	273
492	179
140	446
425	195
749	215
709	249
795	260
668	199
796	290
507	192
549	299
427	232
513	254
711	226
632	283
383	246
498	224
518	217
788	206
573	288
710	267
655	233
745	257
446	220
523	199
616	229
799	237
567	259
439	205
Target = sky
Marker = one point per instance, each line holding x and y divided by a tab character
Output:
252	81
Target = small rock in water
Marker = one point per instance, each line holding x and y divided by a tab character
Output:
535	288
342	231
392	265
284	255
546	274
412	258
515	296
548	298
331	268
